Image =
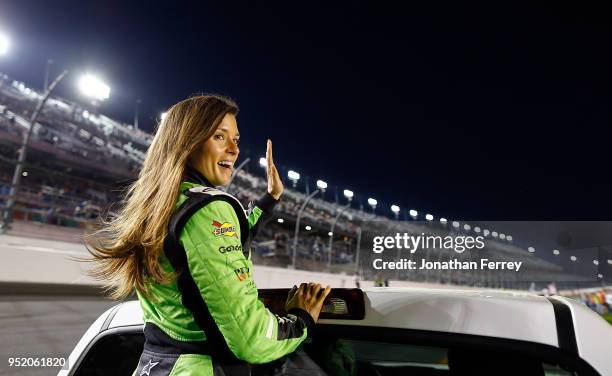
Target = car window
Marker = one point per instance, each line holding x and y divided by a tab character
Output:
114	354
361	357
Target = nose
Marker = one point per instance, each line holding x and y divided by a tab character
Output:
233	148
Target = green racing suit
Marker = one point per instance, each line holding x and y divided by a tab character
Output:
210	320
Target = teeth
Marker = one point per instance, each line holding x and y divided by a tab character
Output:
226	163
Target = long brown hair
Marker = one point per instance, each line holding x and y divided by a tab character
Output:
126	249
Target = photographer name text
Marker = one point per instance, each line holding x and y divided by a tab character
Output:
406	264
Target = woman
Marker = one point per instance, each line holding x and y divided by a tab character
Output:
184	247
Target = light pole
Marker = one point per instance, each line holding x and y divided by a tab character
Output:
138	102
10	203
321	185
349	196
240	166
372	202
396	210
47	73
294	177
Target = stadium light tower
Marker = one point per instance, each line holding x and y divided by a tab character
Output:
7	216
372	202
294	176
4	44
94	88
349	196
396	210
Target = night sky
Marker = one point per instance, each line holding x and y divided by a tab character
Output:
481	112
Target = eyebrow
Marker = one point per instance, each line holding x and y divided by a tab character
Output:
226	131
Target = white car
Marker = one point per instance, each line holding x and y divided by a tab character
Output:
391	331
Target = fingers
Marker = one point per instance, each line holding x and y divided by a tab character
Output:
302	288
313	291
269	157
323	293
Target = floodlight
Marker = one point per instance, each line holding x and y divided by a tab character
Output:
429	217
280	220
4	44
413	213
321	184
348	194
93	87
308	228
531	249
293	175
263	162
395	208
372	202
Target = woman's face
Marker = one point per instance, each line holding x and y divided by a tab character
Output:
219	153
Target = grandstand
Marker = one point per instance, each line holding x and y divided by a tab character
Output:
79	162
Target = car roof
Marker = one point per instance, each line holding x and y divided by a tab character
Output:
525	316
511	315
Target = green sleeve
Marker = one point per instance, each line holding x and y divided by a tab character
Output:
211	238
258	210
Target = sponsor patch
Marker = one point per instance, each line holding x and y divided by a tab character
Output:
243	273
230	248
224	229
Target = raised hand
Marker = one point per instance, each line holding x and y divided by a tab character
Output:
275	184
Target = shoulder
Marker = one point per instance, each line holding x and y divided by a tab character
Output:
208	211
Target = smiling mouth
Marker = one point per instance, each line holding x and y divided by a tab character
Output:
226	164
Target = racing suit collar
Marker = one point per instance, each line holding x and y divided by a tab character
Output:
193	175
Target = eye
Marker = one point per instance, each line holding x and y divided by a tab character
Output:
237	141
219	137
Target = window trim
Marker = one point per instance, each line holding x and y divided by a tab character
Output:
546	353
